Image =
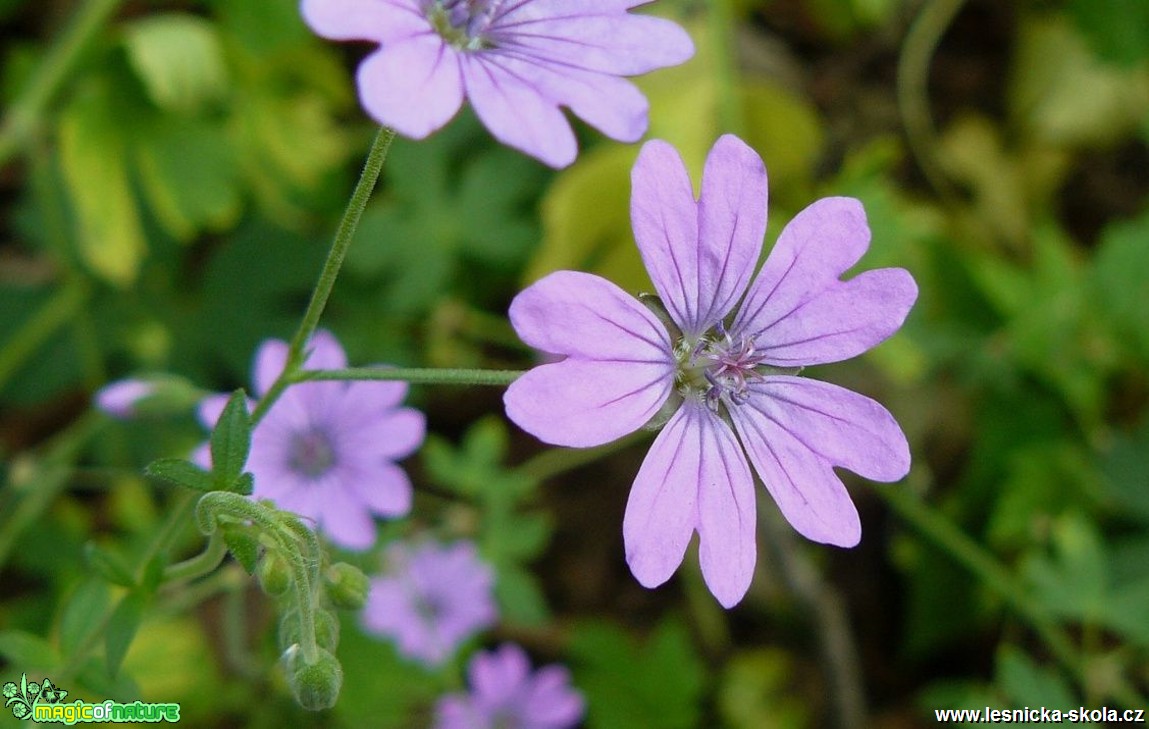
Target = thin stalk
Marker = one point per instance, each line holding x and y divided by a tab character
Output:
24	115
421	376
326	283
556	461
913	93
201	564
54	314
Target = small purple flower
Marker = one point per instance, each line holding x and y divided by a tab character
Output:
327	450
517	61
726	381
506	695
119	398
432	599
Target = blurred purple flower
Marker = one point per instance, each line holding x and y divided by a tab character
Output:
504	693
119	398
327	450
726	383
517	61
433	598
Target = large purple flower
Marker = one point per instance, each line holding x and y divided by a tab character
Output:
505	694
432	599
726	381
517	61
327	450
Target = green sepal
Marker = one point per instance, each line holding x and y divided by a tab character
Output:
230	442
181	473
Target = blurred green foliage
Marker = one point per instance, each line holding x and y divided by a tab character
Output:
172	207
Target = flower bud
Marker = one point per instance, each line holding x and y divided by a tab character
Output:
315	685
347	586
326	629
274	574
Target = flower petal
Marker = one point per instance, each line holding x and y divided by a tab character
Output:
726	512
613	105
662	510
385	489
344	519
607	42
270	359
582	403
324	352
731	223
586	316
798	309
383	21
413	86
518	114
845	428
664	216
803	483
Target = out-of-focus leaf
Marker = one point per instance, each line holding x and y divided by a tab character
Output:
1043	481
179	58
1074	581
189	173
756	692
1117	30
1027	684
381	689
122	627
520	597
110	565
1125	467
658	685
1120	273
1064	94
82	612
262	27
93	155
27	651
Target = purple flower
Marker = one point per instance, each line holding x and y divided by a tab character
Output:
119	398
726	381
327	450
506	694
433	598
517	60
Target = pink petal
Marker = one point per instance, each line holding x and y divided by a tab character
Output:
385	489
732	222
517	114
607	42
845	428
803	483
662	510
393	435
665	221
413	86
210	408
270	359
582	403
726	512
586	316
383	21
344	519
613	105
798	309
498	675
324	352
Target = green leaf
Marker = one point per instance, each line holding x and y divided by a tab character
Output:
242	544
27	651
1074	581
656	686
520	597
1027	684
82	612
179	472
93	156
244	485
109	564
231	441
179	58
122	629
1117	30
1121	269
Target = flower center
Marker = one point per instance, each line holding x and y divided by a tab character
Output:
463	23
719	366
312	453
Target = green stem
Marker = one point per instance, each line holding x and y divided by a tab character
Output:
343	236
24	115
498	378
981	563
913	93
56	312
201	564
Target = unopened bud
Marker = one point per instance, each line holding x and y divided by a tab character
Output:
347	586
314	685
274	574
326	629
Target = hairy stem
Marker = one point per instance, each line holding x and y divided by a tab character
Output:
498	378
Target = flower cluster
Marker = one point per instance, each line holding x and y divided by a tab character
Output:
432	598
327	450
721	375
505	693
517	61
